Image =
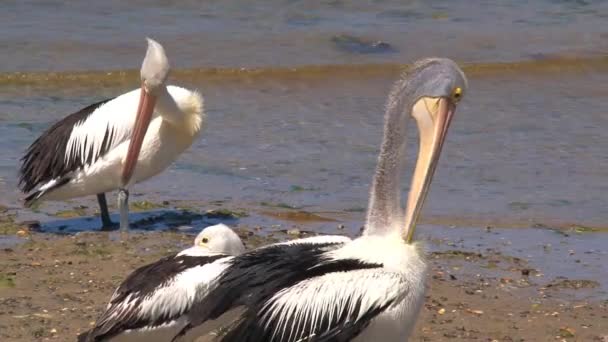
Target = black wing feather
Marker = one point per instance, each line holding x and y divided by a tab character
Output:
141	283
254	277
45	159
252	326
346	328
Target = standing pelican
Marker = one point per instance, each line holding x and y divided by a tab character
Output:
115	143
150	303
368	289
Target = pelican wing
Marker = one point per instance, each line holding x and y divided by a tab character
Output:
77	141
45	159
254	277
157	293
335	306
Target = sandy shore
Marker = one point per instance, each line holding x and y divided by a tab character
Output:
53	287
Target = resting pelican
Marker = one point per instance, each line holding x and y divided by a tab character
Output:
96	149
149	305
368	289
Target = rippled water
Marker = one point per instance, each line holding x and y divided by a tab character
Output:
87	34
527	144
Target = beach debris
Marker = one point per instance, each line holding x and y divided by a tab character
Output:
297	188
566	332
475	312
440	15
70	213
518	206
573	284
354	44
143	205
7	280
441	311
279	205
297	216
42	315
580	229
225	214
169	218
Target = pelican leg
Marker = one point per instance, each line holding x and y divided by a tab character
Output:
123	204
106	222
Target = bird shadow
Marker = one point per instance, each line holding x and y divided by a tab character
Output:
152	220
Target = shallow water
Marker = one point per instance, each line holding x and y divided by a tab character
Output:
551	254
84	35
520	148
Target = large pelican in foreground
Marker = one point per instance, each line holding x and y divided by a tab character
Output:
115	143
367	289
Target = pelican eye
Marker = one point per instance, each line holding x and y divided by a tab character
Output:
205	240
457	94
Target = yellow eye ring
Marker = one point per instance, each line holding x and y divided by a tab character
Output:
457	94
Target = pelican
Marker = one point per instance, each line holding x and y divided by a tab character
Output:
115	143
367	289
150	303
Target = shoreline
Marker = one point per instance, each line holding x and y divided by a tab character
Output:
60	285
71	218
53	286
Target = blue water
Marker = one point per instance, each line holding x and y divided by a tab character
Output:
84	35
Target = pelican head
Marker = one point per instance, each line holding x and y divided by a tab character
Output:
154	73
155	67
436	86
216	239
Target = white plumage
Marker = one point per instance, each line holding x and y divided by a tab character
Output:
114	143
319	239
150	304
309	304
163	143
334	289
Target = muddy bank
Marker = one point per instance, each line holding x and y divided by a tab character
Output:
52	287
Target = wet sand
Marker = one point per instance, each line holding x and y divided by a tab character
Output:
53	287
